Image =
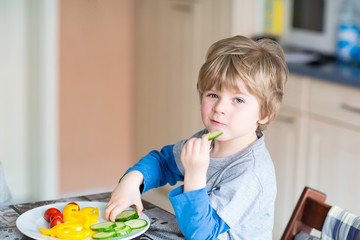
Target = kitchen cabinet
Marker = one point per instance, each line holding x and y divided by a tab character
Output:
172	37
334	162
285	140
314	142
334	137
166	43
284	152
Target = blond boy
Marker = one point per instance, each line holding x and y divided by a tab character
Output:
229	184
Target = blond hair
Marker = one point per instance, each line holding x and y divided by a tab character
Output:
260	64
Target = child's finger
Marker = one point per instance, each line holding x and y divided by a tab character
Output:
139	208
188	146
205	143
109	207
115	211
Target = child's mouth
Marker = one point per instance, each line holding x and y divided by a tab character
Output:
217	123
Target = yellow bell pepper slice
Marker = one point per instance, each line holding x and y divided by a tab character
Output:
76	223
87	210
82	217
73	234
91	212
94	216
47	232
68	211
52	231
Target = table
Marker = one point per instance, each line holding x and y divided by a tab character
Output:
163	224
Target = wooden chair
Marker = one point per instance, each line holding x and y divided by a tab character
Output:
310	212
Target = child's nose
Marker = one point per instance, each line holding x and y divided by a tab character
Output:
220	106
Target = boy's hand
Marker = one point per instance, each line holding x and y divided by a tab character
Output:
195	158
125	194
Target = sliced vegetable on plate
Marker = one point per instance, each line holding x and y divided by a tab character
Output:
126	215
103	226
33	223
123	232
126	221
72	223
50	212
136	223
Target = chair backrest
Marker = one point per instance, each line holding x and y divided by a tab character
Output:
310	212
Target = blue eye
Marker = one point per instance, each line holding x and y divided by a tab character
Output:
213	95
238	100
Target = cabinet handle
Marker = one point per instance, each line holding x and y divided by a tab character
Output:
285	119
350	108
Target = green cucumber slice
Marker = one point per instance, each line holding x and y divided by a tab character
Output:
126	215
136	223
119	226
103	226
104	235
124	231
213	135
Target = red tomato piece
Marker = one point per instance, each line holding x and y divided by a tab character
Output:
55	222
56	215
50	212
74	203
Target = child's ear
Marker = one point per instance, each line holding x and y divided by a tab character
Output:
264	120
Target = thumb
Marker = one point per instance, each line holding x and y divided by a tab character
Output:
139	208
205	140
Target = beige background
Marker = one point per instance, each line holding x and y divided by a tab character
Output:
95	92
87	87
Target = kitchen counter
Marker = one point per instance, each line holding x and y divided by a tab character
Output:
163	224
331	71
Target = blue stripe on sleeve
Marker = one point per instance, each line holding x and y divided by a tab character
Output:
158	168
196	218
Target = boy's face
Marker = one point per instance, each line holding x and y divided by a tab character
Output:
231	111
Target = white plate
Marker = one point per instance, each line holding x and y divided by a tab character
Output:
29	222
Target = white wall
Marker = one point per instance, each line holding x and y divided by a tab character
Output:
28	97
13	111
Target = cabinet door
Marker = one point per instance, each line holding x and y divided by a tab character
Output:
172	37
283	141
165	88
166	101
334	163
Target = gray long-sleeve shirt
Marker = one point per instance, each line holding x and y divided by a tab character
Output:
242	190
